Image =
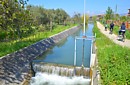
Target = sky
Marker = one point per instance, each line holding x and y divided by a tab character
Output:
93	7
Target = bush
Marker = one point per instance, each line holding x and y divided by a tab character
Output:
2	36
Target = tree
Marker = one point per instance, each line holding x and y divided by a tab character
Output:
117	17
123	18
47	18
77	18
109	14
86	18
14	18
17	19
94	18
61	16
50	16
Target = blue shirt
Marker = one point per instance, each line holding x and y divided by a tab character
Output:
123	27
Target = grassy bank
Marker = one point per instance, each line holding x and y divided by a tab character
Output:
9	47
114	61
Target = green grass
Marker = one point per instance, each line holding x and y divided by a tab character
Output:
9	47
114	61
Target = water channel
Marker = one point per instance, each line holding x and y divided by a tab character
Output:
63	53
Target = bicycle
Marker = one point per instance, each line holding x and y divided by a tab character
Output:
121	37
110	31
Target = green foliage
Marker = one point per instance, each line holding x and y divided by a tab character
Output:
61	16
48	18
127	34
8	47
21	23
17	19
86	19
94	18
123	18
114	61
14	18
116	17
77	18
109	14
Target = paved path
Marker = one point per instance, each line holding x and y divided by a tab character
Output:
113	37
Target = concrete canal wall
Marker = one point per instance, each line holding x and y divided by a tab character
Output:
15	66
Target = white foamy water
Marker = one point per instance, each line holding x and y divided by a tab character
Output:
52	79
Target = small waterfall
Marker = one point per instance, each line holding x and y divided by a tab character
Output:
62	70
46	79
54	74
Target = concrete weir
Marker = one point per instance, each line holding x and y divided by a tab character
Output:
15	68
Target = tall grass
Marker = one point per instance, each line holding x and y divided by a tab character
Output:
114	61
9	47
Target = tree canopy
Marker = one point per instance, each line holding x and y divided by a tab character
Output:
14	18
109	13
18	20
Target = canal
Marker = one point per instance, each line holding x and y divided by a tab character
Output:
63	53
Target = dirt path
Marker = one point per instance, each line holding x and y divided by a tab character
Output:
113	37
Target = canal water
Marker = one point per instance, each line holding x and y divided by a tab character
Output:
63	53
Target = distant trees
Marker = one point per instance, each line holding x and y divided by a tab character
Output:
109	14
61	16
48	18
18	20
116	17
78	18
86	18
123	18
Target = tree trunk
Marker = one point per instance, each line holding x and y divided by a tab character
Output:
19	33
64	23
51	23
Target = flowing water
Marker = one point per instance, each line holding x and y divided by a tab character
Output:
53	79
63	54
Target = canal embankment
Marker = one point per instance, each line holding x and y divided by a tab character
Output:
14	67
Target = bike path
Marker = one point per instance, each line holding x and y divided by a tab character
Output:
113	37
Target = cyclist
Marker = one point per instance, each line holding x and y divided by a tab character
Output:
122	30
111	27
106	27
